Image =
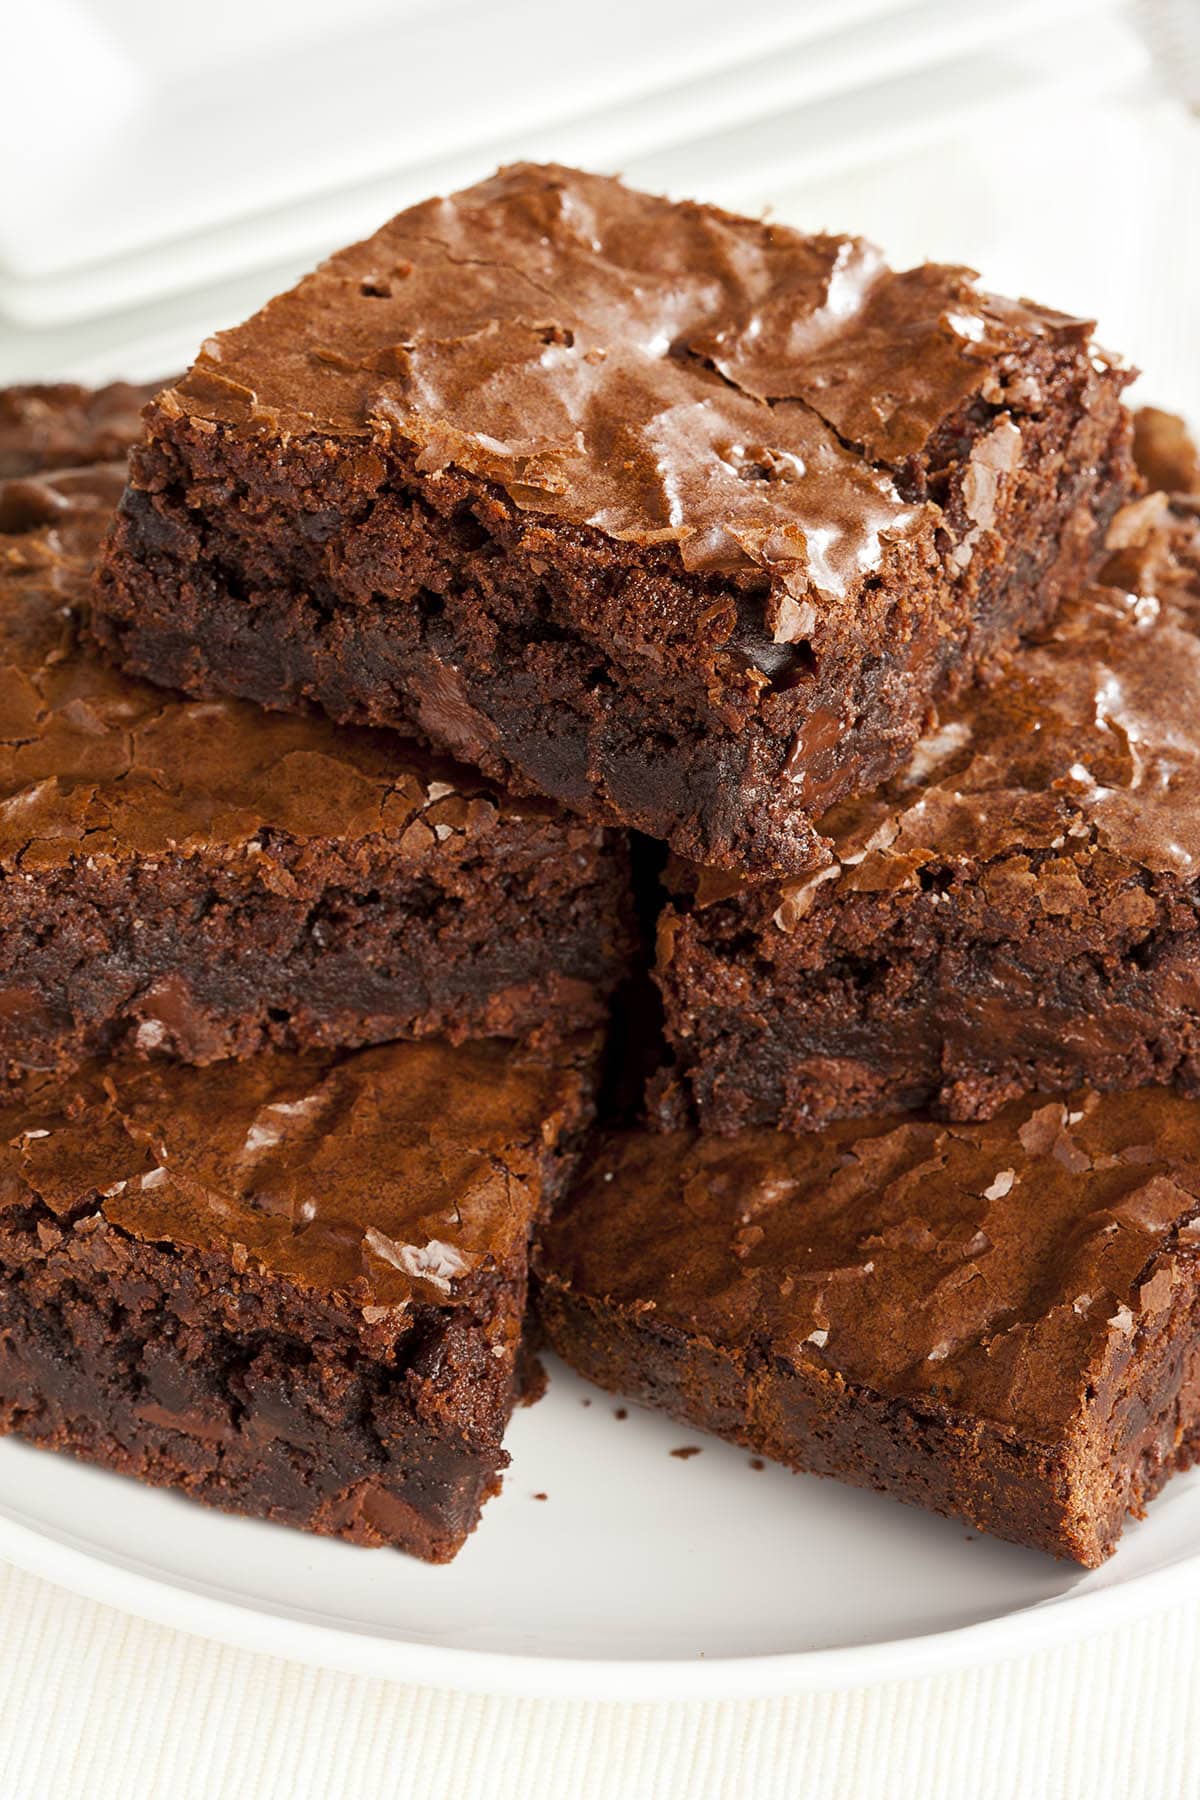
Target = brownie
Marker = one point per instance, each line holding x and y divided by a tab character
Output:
1165	451
290	1287
1167	459
1018	910
999	1321
682	519
60	425
208	880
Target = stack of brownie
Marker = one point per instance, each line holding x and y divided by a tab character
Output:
301	1027
556	561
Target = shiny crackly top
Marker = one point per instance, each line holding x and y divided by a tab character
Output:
998	1268
1083	747
664	373
389	1175
93	763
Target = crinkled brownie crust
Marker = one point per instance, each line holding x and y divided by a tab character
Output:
291	1287
658	541
1000	1322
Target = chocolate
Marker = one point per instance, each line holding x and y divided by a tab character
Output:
555	335
291	1286
999	1321
605	357
1083	744
683	519
1015	910
203	878
1165	451
96	764
390	1177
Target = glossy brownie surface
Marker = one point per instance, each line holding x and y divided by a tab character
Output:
681	518
997	1320
292	1286
660	373
378	1178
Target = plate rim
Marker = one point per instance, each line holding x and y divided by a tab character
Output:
245	1625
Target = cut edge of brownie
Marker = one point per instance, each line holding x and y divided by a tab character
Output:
189	1361
302	945
712	711
1062	1480
265	1423
229	883
1069	1501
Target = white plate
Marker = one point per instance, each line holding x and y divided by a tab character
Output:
641	1575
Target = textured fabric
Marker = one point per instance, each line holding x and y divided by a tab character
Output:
98	1706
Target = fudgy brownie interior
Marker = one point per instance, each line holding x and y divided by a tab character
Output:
207	880
291	1287
682	519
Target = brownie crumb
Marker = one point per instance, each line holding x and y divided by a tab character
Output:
534	1380
620	1412
541	1496
756	1462
686	1450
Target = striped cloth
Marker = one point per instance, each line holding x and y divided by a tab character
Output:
98	1706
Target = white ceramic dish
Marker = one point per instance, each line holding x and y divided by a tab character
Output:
644	1576
640	1576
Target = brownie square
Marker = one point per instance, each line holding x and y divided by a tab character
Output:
200	878
290	1287
1017	910
998	1321
682	519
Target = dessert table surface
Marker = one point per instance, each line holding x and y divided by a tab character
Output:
95	1703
